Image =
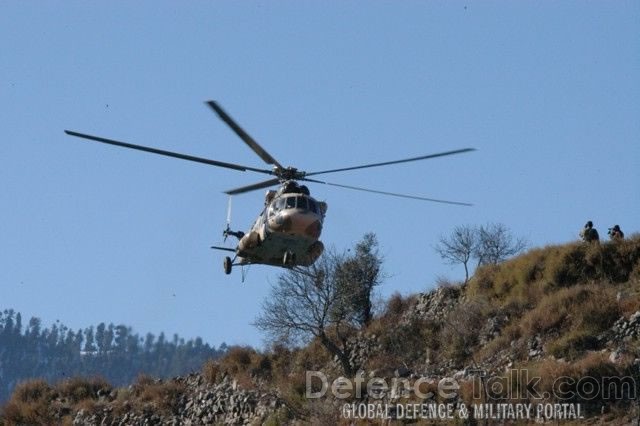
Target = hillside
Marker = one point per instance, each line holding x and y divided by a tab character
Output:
552	334
114	352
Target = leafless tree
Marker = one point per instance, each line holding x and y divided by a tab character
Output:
306	304
459	247
487	244
496	244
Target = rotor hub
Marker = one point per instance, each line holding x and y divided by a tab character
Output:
290	173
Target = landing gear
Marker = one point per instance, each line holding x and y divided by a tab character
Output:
289	259
227	264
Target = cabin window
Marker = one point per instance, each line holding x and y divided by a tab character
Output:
313	206
291	202
302	203
272	210
279	204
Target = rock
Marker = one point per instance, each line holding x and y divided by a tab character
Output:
615	356
402	372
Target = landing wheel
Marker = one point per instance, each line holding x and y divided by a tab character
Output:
227	265
289	258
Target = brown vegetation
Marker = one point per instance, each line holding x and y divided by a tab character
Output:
545	311
29	404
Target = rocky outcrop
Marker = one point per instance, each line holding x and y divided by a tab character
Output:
436	304
623	330
200	403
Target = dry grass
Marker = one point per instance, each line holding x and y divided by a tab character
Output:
507	339
29	404
592	381
576	315
78	388
557	267
247	367
629	304
211	371
164	396
238	360
461	330
564	295
573	382
314	356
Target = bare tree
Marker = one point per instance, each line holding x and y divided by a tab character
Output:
309	303
496	244
488	244
459	247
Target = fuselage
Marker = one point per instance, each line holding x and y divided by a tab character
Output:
290	222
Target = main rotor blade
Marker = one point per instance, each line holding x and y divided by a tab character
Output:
255	146
393	194
259	185
168	153
387	163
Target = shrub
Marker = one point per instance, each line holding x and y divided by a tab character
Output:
163	395
461	329
397	306
509	334
29	404
629	304
565	265
312	357
406	343
237	360
281	361
242	364
211	371
78	388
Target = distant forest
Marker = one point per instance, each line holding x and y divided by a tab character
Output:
113	352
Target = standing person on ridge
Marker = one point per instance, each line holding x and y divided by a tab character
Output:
589	234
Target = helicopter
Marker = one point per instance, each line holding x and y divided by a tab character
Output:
287	230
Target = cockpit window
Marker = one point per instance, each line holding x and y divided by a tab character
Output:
301	203
279	204
291	202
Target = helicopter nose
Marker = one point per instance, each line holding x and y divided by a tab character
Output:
282	223
314	230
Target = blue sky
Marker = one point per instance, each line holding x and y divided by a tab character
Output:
548	92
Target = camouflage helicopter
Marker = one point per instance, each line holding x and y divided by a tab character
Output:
287	230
